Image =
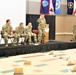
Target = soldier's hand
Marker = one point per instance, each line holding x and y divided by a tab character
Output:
22	34
10	35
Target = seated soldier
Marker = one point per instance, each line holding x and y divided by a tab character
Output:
7	31
28	31
20	33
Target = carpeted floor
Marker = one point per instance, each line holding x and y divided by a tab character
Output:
41	63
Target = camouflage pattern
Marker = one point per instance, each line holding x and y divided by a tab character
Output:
41	29
28	31
74	33
6	31
19	33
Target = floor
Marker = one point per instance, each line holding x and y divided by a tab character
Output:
41	63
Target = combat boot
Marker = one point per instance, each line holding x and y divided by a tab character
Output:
38	42
6	42
30	43
17	42
24	43
6	45
39	39
43	39
14	44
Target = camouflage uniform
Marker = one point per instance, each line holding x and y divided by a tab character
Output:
74	33
41	29
28	31
6	30
20	33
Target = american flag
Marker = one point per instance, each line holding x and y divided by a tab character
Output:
74	7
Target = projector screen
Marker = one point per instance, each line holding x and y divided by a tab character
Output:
13	10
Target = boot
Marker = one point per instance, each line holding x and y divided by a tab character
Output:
17	41
6	45
39	40
13	44
14	41
30	43
43	39
24	42
6	42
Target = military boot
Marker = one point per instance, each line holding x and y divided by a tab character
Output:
17	41
6	45
30	43
43	39
24	42
39	40
6	42
13	44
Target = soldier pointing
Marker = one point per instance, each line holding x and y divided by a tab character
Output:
41	28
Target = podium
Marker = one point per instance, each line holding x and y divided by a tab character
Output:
47	33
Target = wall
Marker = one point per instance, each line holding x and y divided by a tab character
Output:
64	30
69	22
13	10
33	7
60	26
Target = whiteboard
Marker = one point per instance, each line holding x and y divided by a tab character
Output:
15	10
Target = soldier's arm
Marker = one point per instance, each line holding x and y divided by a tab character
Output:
31	28
45	22
17	30
3	30
74	29
25	31
11	30
39	20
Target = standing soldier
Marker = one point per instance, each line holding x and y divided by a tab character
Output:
74	33
20	33
7	31
28	31
41	28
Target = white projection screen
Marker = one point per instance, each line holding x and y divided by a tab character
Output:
13	10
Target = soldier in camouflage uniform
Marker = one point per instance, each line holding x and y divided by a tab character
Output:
7	31
20	33
41	28
74	33
28	31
